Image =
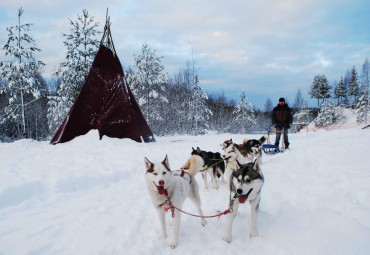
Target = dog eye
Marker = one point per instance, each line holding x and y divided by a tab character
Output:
164	173
155	173
248	181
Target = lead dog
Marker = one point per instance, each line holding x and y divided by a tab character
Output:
164	187
245	185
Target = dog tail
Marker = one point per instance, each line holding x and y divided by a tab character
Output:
245	141
194	164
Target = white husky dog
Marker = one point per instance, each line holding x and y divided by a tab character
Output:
245	185
165	187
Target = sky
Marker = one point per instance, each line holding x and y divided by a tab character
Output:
268	48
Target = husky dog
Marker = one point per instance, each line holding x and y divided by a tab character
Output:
165	187
245	185
250	149
231	155
211	162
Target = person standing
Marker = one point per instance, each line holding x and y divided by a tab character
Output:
281	119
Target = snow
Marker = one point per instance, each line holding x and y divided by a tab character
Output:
89	197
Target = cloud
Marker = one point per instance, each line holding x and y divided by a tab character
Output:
239	44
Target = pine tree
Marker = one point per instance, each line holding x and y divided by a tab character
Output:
82	45
20	73
326	115
340	91
298	102
244	115
314	89
324	88
354	89
329	114
346	81
301	118
147	82
365	82
199	111
363	106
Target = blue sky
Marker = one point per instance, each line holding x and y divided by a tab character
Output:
268	48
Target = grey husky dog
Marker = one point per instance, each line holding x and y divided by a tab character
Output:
245	185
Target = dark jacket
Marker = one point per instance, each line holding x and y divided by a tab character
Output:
282	116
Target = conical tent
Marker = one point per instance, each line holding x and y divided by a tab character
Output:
105	102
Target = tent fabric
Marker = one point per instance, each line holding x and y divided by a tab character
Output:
105	103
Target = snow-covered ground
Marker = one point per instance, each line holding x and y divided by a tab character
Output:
89	197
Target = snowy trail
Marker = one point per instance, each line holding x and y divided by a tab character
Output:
89	197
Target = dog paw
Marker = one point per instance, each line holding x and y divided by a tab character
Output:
172	244
162	236
203	223
227	239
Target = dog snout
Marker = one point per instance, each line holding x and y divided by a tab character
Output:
161	182
239	191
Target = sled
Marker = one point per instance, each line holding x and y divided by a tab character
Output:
269	148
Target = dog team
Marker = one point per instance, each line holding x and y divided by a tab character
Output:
241	163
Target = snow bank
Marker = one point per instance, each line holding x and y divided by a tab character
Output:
89	197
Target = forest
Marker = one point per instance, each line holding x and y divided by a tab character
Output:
34	106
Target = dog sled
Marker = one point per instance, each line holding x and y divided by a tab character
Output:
270	148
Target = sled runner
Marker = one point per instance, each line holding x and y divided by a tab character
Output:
271	149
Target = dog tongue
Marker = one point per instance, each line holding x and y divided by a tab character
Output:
242	199
160	190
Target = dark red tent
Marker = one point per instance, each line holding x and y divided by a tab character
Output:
105	102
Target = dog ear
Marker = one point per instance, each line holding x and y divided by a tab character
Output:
166	163
193	149
198	150
148	164
256	166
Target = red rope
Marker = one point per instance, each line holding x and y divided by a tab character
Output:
172	207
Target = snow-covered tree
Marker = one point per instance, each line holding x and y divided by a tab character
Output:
324	88
82	45
301	118
199	111
314	89
147	81
329	114
298	102
363	106
244	114
20	73
340	91
346	81
354	89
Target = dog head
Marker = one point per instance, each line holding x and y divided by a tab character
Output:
230	153
197	151
226	144
254	146
246	181
158	175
